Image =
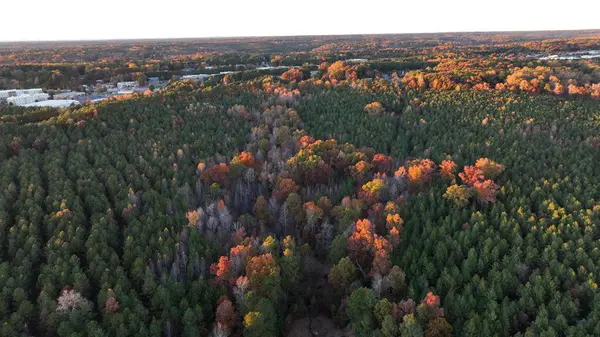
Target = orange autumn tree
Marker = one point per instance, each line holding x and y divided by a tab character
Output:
393	223
193	218
415	174
490	168
374	108
366	248
381	259
244	158
294	74
238	256
263	274
360	171
337	70
360	243
221	270
418	171
448	169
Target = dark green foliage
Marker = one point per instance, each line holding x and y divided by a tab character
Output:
261	321
336	113
360	311
338	249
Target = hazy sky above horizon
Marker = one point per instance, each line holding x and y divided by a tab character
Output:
36	20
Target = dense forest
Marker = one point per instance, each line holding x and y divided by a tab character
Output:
447	186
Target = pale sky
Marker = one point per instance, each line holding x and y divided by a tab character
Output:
124	19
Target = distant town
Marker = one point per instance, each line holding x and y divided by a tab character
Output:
102	90
36	97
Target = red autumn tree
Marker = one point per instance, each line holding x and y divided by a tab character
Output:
306	141
471	175
382	163
244	158
216	174
429	309
486	191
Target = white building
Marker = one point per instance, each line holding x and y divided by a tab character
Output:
20	100
356	60
27	99
196	77
69	95
18	92
4	94
123	86
271	67
22	96
32	91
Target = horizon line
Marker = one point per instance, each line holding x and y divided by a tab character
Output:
299	35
